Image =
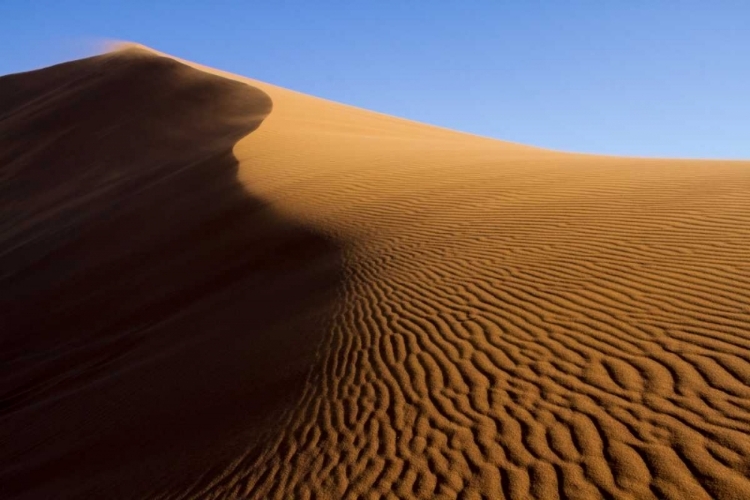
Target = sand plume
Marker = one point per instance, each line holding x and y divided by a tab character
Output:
489	320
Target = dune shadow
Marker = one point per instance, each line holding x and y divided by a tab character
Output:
155	318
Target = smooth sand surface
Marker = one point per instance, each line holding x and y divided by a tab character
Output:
217	288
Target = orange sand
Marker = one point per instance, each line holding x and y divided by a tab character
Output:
216	288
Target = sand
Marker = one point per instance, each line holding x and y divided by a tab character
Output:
213	287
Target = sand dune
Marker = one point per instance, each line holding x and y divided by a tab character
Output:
216	288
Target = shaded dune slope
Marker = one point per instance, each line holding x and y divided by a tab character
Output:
503	322
154	314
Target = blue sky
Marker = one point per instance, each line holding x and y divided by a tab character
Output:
641	78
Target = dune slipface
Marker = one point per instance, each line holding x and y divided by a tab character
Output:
156	316
456	317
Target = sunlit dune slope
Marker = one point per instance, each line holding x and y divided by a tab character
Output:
342	304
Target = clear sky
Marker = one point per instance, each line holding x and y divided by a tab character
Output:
642	78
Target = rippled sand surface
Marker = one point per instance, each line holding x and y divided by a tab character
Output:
217	288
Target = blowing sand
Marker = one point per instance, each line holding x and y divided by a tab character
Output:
217	288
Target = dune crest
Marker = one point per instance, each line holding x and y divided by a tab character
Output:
459	317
